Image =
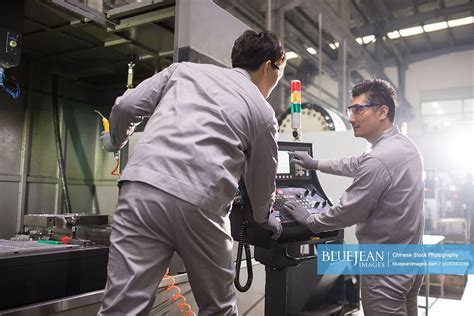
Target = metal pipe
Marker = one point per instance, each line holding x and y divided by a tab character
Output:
320	57
269	14
59	149
25	151
344	74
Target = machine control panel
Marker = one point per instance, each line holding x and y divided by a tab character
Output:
308	197
293	184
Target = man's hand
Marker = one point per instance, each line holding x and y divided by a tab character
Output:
299	213
303	159
106	143
274	225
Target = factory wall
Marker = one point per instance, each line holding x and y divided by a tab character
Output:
446	72
11	129
446	77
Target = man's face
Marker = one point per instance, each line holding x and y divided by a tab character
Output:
275	73
365	118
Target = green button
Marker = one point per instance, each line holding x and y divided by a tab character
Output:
13	43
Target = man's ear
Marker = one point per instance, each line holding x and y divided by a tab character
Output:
384	112
267	66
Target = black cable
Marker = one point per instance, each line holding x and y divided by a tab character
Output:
59	149
248	258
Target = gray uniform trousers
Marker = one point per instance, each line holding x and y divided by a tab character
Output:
390	294
149	225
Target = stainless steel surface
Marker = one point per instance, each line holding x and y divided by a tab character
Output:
55	306
39	220
10	248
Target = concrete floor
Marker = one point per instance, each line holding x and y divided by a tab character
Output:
252	303
443	307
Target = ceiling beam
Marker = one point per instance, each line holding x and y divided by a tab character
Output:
389	45
452	41
426	36
411	20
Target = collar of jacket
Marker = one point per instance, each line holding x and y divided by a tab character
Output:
243	72
392	131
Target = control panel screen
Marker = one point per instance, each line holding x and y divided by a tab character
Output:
287	171
283	162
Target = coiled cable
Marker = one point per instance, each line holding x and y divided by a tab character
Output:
248	258
178	295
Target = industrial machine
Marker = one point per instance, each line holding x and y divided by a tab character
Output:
56	256
293	286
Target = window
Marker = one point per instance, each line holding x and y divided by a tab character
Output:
447	113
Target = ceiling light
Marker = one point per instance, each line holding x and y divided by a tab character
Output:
439	112
359	40
411	31
311	50
393	35
447	123
435	26
290	55
368	39
435	105
459	22
334	45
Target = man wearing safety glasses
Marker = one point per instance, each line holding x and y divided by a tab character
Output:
385	199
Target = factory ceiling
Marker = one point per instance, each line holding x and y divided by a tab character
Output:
410	30
94	44
92	41
377	33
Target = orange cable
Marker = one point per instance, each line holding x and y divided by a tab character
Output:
178	295
117	165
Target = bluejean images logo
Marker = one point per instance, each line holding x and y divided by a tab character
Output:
374	259
395	259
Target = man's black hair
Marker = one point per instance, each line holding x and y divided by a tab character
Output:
252	49
378	91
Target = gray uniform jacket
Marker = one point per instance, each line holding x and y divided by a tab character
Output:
385	199
208	126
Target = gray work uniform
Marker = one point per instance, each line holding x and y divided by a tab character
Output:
385	200
208	126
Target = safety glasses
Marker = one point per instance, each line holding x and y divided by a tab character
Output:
356	109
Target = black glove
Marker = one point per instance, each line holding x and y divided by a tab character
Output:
299	213
274	225
107	143
303	159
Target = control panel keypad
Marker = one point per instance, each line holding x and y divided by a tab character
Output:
308	197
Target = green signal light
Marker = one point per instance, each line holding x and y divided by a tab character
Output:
295	107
